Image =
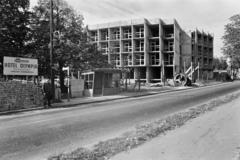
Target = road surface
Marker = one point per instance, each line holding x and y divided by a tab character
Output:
36	135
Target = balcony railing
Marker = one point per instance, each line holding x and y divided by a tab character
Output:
139	49
116	50
116	62
139	61
127	35
105	39
116	37
154	62
127	49
139	34
105	50
168	62
130	62
154	48
168	48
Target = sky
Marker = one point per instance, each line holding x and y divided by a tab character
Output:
209	16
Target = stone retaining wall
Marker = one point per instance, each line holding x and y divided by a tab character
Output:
17	95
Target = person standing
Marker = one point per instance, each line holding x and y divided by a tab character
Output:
47	88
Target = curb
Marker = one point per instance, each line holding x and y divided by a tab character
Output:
97	101
21	110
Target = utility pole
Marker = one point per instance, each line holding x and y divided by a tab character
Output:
51	49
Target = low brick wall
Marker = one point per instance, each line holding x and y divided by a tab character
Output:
15	96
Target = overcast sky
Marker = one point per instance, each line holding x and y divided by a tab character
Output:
207	15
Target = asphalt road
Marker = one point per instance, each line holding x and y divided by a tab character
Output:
36	135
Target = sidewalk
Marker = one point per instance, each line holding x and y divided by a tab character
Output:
121	95
211	136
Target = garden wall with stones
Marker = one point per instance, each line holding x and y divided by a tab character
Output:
18	95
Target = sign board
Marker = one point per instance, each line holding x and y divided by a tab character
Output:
20	66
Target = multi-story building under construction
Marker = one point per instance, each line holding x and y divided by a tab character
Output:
154	49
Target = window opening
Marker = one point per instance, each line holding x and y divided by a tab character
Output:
139	59
127	34
88	81
140	32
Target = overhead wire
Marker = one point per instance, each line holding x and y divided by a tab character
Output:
105	8
120	8
134	8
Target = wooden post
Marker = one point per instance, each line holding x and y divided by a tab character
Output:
78	74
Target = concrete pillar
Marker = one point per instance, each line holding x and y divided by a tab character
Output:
174	65
136	72
162	71
148	74
146	44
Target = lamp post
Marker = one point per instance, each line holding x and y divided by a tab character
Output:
51	49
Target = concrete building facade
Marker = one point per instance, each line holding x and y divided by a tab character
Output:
153	49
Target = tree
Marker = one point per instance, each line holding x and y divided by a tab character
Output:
220	63
72	46
14	28
231	40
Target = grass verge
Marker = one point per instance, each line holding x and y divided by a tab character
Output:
142	133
